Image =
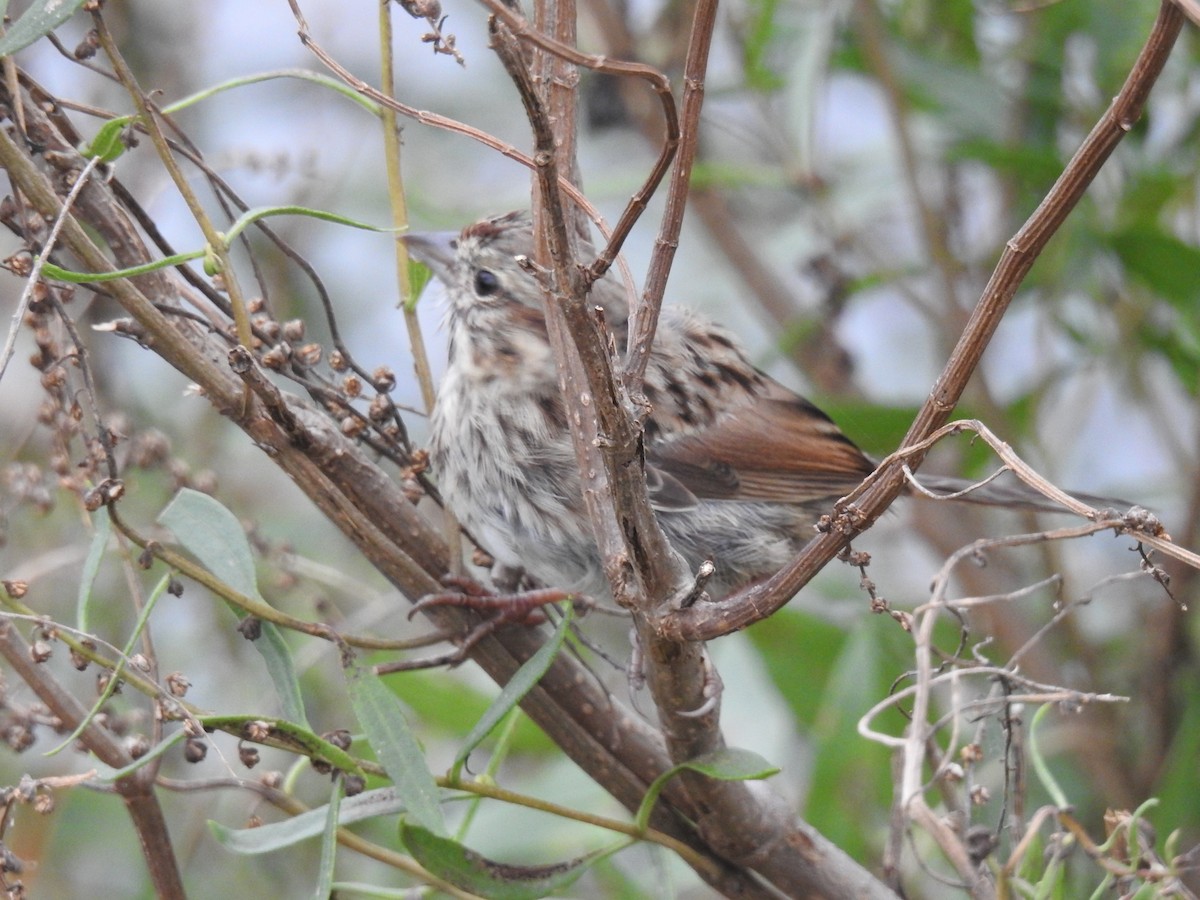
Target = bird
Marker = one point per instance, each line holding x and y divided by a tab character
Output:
738	466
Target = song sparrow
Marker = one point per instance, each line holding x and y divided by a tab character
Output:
739	467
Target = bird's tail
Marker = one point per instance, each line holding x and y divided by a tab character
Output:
1009	493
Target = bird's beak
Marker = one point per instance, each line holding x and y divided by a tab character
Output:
434	248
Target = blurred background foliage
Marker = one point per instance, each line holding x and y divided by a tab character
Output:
862	165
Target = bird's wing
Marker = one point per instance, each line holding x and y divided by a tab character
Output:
768	444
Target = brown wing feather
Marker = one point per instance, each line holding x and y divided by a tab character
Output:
772	446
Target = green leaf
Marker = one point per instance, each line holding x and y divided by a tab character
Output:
213	535
522	682
464	868
324	885
453	706
1162	262
800	651
38	21
347	889
1038	759
115	679
1177	782
1034	166
60	274
861	674
382	718
91	566
302	74
761	33
728	764
419	275
1180	351
155	752
107	143
306	825
1151	192
250	216
964	99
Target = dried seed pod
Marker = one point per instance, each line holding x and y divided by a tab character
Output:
250	628
257	730
293	330
138	745
15	588
384	380
379	408
308	355
178	684
40	651
276	358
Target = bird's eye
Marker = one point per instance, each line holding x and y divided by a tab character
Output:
486	283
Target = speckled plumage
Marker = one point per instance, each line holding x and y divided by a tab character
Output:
739	467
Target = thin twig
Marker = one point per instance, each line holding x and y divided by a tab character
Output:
644	318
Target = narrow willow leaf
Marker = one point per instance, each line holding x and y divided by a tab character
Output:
375	891
382	718
466	869
91	566
250	216
1168	266
324	883
38	21
732	764
114	679
518	686
1049	783
303	74
307	825
60	274
729	764
158	750
287	734
213	535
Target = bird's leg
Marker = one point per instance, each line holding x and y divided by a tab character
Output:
520	608
516	608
